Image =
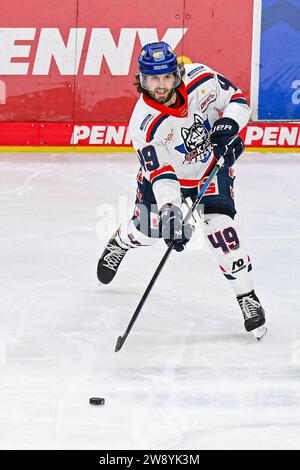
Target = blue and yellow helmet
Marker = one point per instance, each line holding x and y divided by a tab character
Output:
158	58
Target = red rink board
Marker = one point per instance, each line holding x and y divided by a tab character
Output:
44	90
101	136
41	81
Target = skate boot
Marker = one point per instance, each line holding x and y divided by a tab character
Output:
110	260
254	314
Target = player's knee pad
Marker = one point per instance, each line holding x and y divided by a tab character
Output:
224	241
130	236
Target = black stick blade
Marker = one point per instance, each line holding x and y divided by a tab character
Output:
120	343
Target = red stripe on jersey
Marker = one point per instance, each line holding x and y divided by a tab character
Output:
188	183
237	95
193	183
165	169
196	80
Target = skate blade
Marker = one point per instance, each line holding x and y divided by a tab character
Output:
260	332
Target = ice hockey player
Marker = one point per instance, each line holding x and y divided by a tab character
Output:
186	118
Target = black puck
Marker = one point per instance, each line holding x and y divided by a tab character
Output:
97	401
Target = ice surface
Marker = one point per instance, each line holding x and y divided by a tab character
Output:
188	377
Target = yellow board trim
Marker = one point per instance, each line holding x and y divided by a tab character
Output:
273	149
69	148
90	149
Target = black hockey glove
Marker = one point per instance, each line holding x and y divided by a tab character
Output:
171	227
225	140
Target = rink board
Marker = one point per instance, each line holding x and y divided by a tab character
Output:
103	137
76	60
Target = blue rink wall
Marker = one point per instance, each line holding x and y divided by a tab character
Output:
279	83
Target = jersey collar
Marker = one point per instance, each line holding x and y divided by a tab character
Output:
181	112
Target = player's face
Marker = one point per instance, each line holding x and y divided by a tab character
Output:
161	87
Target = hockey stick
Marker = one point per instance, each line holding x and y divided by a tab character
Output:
121	339
187	205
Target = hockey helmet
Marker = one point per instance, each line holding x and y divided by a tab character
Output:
158	58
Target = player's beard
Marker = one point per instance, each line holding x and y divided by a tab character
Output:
162	99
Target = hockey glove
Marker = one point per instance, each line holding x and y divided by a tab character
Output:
170	220
225	140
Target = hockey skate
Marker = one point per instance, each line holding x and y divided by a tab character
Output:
110	260
254	314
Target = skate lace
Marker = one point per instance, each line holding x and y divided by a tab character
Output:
250	307
114	257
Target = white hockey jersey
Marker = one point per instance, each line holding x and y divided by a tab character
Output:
173	143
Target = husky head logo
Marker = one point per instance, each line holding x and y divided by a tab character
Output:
196	136
197	146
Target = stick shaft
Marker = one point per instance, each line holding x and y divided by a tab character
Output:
166	255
